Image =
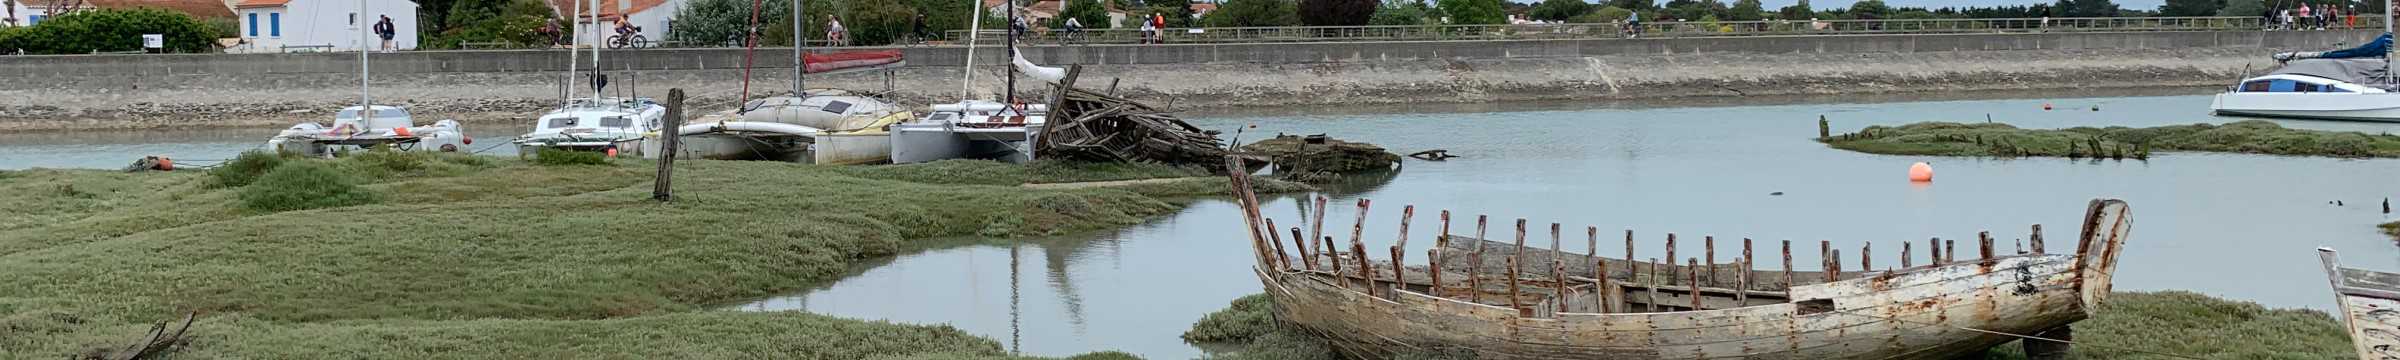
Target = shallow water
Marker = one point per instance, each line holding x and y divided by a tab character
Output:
2238	226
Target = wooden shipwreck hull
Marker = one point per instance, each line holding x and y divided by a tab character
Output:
2370	307
1510	301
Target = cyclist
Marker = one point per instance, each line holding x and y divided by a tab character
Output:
1074	28
625	33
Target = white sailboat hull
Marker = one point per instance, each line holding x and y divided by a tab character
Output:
2331	106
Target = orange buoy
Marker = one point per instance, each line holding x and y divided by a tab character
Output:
2045	106
1921	172
403	131
612	152
165	164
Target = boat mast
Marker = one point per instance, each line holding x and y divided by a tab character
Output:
597	43
1011	71
566	90
366	108
974	25
799	42
2387	47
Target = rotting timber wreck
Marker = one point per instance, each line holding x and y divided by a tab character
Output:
1510	301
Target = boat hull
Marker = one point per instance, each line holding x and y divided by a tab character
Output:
923	142
2382	107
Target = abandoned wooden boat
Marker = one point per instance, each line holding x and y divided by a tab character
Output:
1509	301
2370	305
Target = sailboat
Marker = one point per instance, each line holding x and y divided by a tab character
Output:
2347	84
816	126
977	128
368	125
596	123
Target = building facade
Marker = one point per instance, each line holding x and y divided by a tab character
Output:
321	25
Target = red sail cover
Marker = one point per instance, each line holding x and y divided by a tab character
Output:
818	63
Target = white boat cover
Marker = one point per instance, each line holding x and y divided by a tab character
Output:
1045	74
2362	71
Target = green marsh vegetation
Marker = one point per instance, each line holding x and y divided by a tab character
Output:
2115	142
412	255
2174	322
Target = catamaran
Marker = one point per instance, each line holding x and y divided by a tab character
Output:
618	125
976	128
368	125
2347	84
816	126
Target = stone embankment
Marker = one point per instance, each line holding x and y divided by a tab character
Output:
505	87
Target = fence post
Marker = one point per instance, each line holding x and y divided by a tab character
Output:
666	156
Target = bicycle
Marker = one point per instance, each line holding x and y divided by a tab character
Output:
626	39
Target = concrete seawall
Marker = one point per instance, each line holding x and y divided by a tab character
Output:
122	91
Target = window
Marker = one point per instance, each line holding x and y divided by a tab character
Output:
2255	86
616	122
562	122
836	107
253	24
36	19
275	24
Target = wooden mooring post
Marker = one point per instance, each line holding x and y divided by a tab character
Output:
1787	269
1934	245
666	157
1695	264
2037	238
1475	261
1905	255
1741	279
1984	241
1671	259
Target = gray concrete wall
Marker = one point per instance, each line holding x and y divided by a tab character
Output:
83	91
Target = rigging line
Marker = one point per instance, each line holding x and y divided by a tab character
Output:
2028	337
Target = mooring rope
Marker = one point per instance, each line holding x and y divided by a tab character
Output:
2028	337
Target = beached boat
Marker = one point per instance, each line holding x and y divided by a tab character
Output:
972	128
602	124
2331	89
1509	301
368	125
2369	302
815	126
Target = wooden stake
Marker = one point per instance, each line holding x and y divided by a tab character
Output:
1671	259
664	189
1333	261
1520	254
1984	240
1406	213
2037	238
1398	280
1866	256
1936	246
1905	254
1316	230
1277	239
1630	271
1475	261
1435	270
1708	245
1300	244
1950	250
1358	246
1443	241
1826	260
1741	293
1599	271
1695	264
1513	304
1554	239
1835	274
1746	254
1787	269
1653	284
1558	280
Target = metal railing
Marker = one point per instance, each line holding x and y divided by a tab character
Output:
1673	29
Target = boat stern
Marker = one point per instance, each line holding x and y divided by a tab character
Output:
2106	224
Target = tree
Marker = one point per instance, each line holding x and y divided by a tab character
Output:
1089	13
2190	7
513	21
1338	12
1798	11
1401	12
1747	10
1633	5
1872	9
942	16
1247	13
1177	12
86	31
1606	14
1473	11
2243	8
1560	10
723	21
2088	8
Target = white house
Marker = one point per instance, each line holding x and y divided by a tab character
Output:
28	12
655	17
321	25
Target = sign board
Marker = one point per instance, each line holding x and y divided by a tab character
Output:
154	41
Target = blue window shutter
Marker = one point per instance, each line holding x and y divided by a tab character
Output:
253	24
275	24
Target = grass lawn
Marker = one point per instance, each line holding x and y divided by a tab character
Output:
2003	140
444	256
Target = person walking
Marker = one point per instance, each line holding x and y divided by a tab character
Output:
1149	31
384	30
2304	17
1159	22
835	33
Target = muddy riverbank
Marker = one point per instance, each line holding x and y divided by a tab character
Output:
217	92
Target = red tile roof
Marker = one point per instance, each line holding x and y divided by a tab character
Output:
245	4
197	8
